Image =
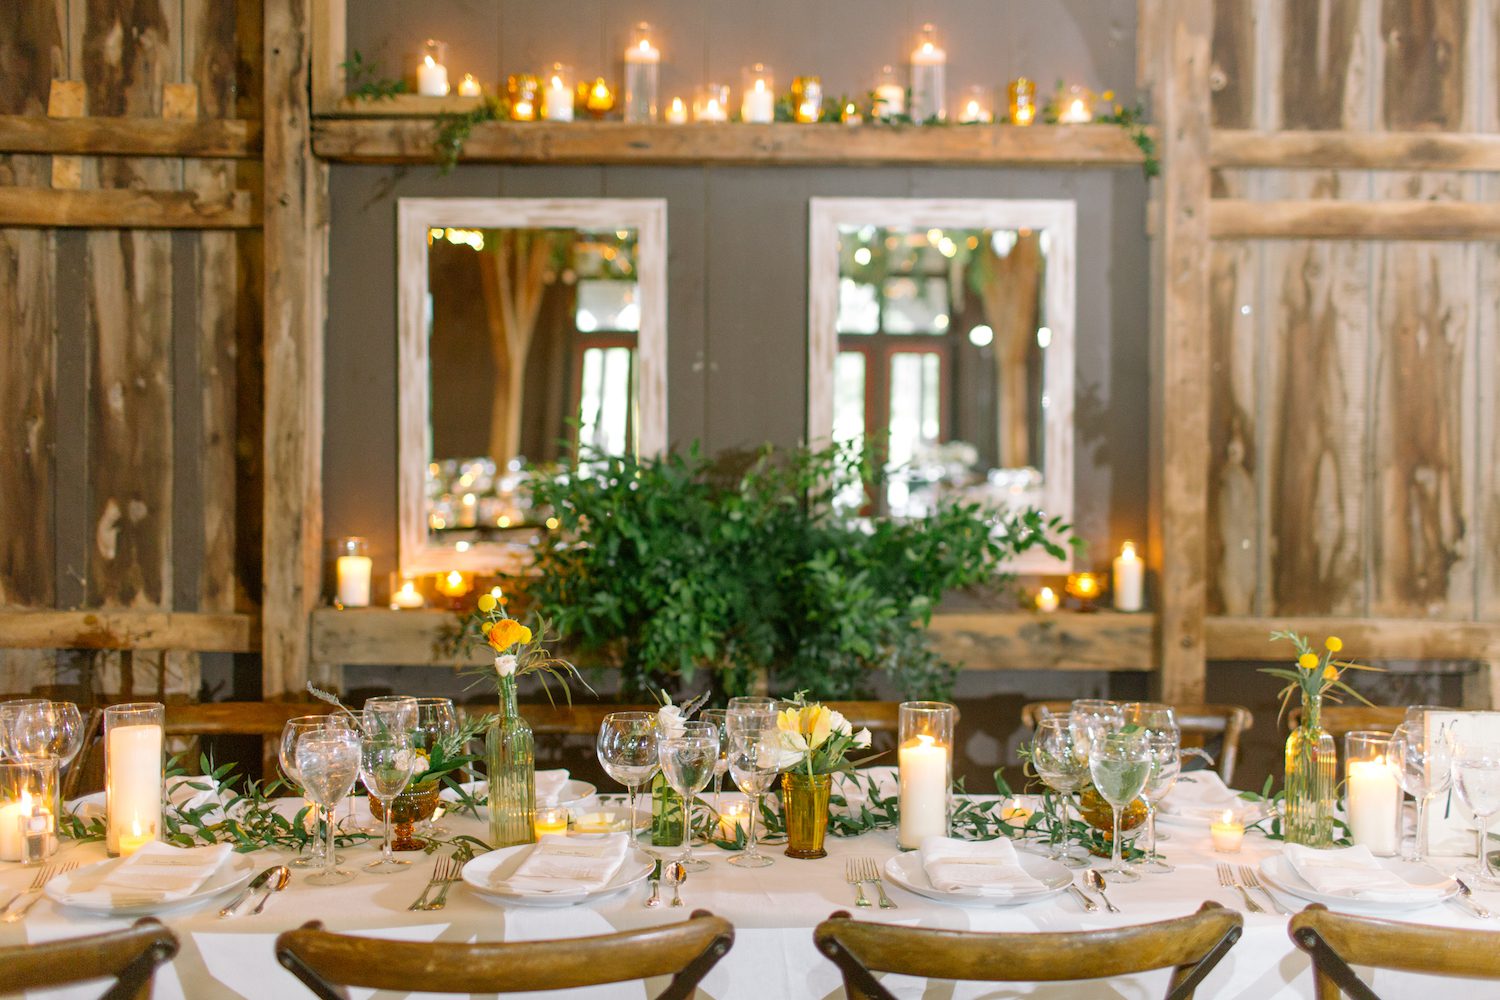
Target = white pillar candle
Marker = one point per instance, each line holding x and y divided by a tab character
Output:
1374	805
133	791
12	817
1129	579
759	105
432	78
928	78
890	100
924	770
642	61
557	99
353	581
468	86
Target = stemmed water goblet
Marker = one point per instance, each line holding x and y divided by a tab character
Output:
1424	766
436	721
387	763
719	719
687	761
754	762
327	762
1476	779
1091	718
627	751
291	735
1056	756
1119	764
1166	764
49	732
10	711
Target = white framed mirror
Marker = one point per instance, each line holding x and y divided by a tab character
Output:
943	329
528	328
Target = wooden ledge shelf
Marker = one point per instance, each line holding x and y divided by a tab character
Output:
174	630
211	138
409	140
980	640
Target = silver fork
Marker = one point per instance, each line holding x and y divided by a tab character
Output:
853	877
47	874
1253	881
1227	879
872	874
455	874
439	876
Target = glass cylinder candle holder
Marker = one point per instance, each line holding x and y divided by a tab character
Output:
890	95
807	99
405	594
133	740
711	103
597	98
758	104
1086	587
454	584
976	107
850	115
28	800
1022	101
469	86
525	90
351	567
642	73
551	819
1374	794
432	69
557	94
925	769
677	112
1075	106
929	67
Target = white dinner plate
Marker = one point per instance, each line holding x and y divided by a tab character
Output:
906	871
501	864
236	870
1280	874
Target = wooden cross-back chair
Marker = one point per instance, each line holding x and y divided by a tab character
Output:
130	956
1336	941
327	962
1190	946
1340	720
1199	725
584	719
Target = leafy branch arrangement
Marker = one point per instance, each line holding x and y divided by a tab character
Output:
1133	120
365	81
1270	823
454	128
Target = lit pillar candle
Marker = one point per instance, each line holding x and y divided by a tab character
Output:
13	817
928	78
924	770
133	774
890	96
1374	792
557	97
1129	579
432	74
642	65
712	104
468	86
759	103
1046	600
352	573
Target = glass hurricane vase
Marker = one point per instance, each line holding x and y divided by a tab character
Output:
804	802
512	773
1307	808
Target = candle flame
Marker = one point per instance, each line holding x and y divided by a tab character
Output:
972	109
601	89
926	47
677	104
760	86
1127	551
1228	816
645	45
428	60
25	802
135	827
556	81
455	578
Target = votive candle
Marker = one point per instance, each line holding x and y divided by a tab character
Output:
735	816
557	95
890	95
1227	833
758	106
550	819
469	86
1047	600
677	112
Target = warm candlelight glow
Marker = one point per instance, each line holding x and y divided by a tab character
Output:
642	59
557	98
432	75
1075	107
453	584
551	819
759	104
1129	579
525	91
851	114
1373	792
1084	586
924	770
734	817
468	86
134	840
1228	834
133	738
1047	600
1022	101
599	99
407	597
677	113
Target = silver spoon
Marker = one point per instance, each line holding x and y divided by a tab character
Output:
1466	895
654	899
676	875
1096	882
278	882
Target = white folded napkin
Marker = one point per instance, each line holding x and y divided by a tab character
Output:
1199	792
157	873
549	786
989	867
563	865
1356	873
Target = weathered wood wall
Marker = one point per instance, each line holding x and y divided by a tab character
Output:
129	418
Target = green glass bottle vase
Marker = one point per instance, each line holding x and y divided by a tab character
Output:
1307	806
512	773
667	815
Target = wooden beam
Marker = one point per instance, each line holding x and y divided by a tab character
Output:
65	99
1230	638
1233	218
410	141
329	41
1181	403
296	250
125	208
224	633
1355	150
220	138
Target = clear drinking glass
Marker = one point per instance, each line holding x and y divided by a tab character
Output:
754	762
1056	756
386	765
10	711
1425	769
327	762
687	762
398	711
1166	764
719	719
1476	779
1120	763
292	734
51	730
436	720
1091	718
627	751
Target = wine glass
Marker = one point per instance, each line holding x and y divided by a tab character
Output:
1424	766
687	762
719	719
1476	779
751	703
436	721
1091	718
292	734
1166	764
386	765
1056	756
1120	763
1148	715
754	762
10	711
397	711
627	751
327	761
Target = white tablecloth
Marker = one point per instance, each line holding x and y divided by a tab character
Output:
773	909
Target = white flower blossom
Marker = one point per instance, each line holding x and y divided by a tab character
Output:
505	665
837	723
669	721
862	739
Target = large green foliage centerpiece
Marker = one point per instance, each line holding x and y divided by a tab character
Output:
671	565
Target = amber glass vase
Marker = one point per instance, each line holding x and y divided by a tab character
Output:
512	773
1307	808
804	803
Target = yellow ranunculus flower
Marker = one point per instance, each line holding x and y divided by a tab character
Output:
507	632
1330	673
486	603
1308	661
1334	643
485	627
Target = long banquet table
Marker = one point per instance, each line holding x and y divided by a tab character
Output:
773	909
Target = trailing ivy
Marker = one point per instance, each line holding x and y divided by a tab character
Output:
365	81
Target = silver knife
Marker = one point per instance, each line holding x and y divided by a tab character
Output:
255	883
1466	897
1088	904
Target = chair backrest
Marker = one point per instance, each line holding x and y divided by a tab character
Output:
1198	723
584	719
1191	946
328	962
241	718
131	956
1342	719
1337	941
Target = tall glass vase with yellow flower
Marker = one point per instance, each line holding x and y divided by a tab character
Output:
1308	795
815	745
510	746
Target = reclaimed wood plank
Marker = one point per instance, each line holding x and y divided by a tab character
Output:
152	630
1409	219
1486	374
66	99
1365	639
1469	151
120	208
124	136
